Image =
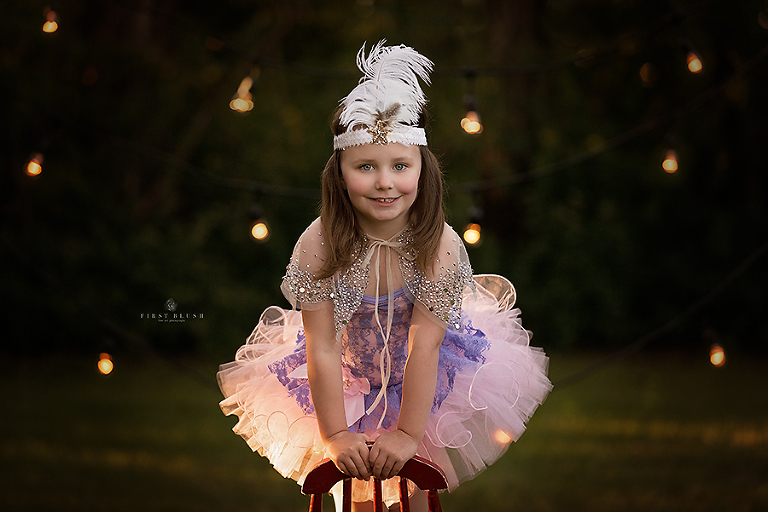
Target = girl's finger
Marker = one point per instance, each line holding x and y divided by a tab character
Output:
362	470
396	469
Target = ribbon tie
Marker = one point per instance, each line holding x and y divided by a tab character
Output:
385	359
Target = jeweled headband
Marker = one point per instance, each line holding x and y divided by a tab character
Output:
387	102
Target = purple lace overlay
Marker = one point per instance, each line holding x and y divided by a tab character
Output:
297	388
362	344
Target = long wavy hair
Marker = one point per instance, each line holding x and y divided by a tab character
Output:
343	234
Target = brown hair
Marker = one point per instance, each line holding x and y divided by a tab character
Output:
341	229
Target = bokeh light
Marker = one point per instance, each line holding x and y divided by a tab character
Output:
260	230
717	355
694	62
241	102
670	162
35	165
105	363
51	24
471	123
472	234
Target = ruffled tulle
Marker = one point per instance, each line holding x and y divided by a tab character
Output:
480	408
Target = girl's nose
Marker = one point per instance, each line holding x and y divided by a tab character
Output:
384	180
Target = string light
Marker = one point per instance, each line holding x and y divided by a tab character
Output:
694	62
670	162
35	164
105	364
472	233
242	100
260	231
716	355
694	65
51	24
471	123
259	227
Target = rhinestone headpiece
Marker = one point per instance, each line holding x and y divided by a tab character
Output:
388	100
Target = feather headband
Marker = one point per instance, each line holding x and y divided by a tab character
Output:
387	102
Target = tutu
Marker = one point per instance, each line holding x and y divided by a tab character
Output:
490	382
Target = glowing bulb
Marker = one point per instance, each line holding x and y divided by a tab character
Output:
717	355
670	162
694	62
260	231
241	102
35	165
50	25
471	123
502	437
472	234
105	363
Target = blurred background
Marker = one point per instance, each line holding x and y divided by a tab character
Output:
160	159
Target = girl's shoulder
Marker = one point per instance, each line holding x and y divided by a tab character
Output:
300	284
448	277
310	250
451	256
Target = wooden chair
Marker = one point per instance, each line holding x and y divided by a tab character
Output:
426	475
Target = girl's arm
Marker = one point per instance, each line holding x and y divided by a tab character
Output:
347	450
393	449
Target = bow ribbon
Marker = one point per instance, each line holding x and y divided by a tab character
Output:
385	359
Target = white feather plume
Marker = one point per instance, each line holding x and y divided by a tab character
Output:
389	89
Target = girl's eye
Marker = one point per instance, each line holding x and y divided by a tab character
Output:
400	167
366	167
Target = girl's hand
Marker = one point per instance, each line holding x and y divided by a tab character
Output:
349	452
390	452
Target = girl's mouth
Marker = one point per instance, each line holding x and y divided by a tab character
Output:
384	200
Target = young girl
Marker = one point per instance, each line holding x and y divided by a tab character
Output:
395	342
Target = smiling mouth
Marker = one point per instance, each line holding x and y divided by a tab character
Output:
384	200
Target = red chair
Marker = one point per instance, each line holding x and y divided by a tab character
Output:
426	475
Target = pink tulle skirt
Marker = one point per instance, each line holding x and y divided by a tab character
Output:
486	409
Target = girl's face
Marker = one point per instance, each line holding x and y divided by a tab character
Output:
382	182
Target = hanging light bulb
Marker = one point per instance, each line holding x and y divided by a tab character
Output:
670	162
472	233
259	227
242	100
105	364
35	164
692	58
260	230
694	62
51	24
716	355
471	123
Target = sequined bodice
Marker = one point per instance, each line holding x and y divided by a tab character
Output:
362	340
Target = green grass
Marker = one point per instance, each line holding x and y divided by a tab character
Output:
662	433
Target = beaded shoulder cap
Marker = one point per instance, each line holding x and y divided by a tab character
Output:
441	291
